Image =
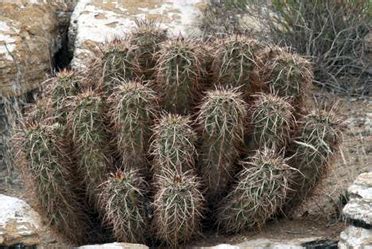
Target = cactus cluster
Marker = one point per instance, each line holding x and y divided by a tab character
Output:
158	138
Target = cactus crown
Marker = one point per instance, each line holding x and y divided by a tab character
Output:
222	113
178	208
118	63
263	185
123	198
235	60
179	72
318	138
288	75
173	143
272	119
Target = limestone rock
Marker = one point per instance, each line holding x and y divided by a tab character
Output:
30	34
95	21
19	223
355	237
359	207
115	246
264	243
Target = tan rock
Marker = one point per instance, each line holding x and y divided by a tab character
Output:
29	37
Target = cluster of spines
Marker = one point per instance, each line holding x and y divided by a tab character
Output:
179	75
178	206
124	200
221	122
132	108
259	193
272	120
173	145
44	160
234	62
88	132
313	148
118	64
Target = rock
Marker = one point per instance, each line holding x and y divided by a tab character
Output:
94	22
222	246
359	207
30	35
19	223
115	246
264	243
355	237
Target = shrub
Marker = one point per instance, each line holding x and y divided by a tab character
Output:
329	32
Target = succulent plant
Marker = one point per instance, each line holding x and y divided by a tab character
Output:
178	207
173	145
49	172
313	149
260	191
234	61
147	37
221	121
123	198
65	86
179	74
272	120
287	75
132	110
95	150
86	121
118	63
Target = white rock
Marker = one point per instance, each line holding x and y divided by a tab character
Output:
355	237
19	223
263	243
115	246
94	22
359	206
